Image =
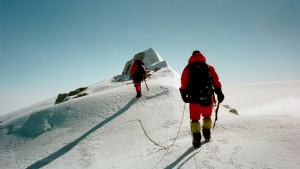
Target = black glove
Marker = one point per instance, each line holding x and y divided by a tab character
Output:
220	95
184	95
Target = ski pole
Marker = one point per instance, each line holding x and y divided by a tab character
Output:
216	117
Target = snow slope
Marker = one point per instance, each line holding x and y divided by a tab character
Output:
110	128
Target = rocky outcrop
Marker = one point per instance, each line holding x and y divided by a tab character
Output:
62	97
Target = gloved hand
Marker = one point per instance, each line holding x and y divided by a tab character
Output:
220	95
184	95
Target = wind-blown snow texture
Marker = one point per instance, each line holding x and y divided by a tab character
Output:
110	128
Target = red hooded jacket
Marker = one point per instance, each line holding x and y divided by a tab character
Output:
137	71
198	57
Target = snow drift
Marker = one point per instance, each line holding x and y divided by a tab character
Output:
110	128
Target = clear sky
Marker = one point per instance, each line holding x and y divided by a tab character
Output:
55	46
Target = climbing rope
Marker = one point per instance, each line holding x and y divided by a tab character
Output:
139	119
173	141
168	149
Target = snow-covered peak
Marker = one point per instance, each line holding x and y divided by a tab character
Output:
151	58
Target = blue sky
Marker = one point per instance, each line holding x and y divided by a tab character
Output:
54	46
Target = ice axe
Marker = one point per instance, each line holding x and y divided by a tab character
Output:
146	83
216	117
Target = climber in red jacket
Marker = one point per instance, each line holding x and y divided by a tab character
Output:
199	82
138	73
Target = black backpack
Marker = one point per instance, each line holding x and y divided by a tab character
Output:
140	72
200	88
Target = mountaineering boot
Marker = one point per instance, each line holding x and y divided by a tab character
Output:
139	94
206	134
195	129
197	140
207	122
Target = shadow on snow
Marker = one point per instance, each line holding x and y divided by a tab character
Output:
70	146
183	156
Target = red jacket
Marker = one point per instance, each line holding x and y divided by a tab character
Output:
198	57
134	68
137	71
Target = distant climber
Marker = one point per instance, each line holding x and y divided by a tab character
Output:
199	82
138	73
